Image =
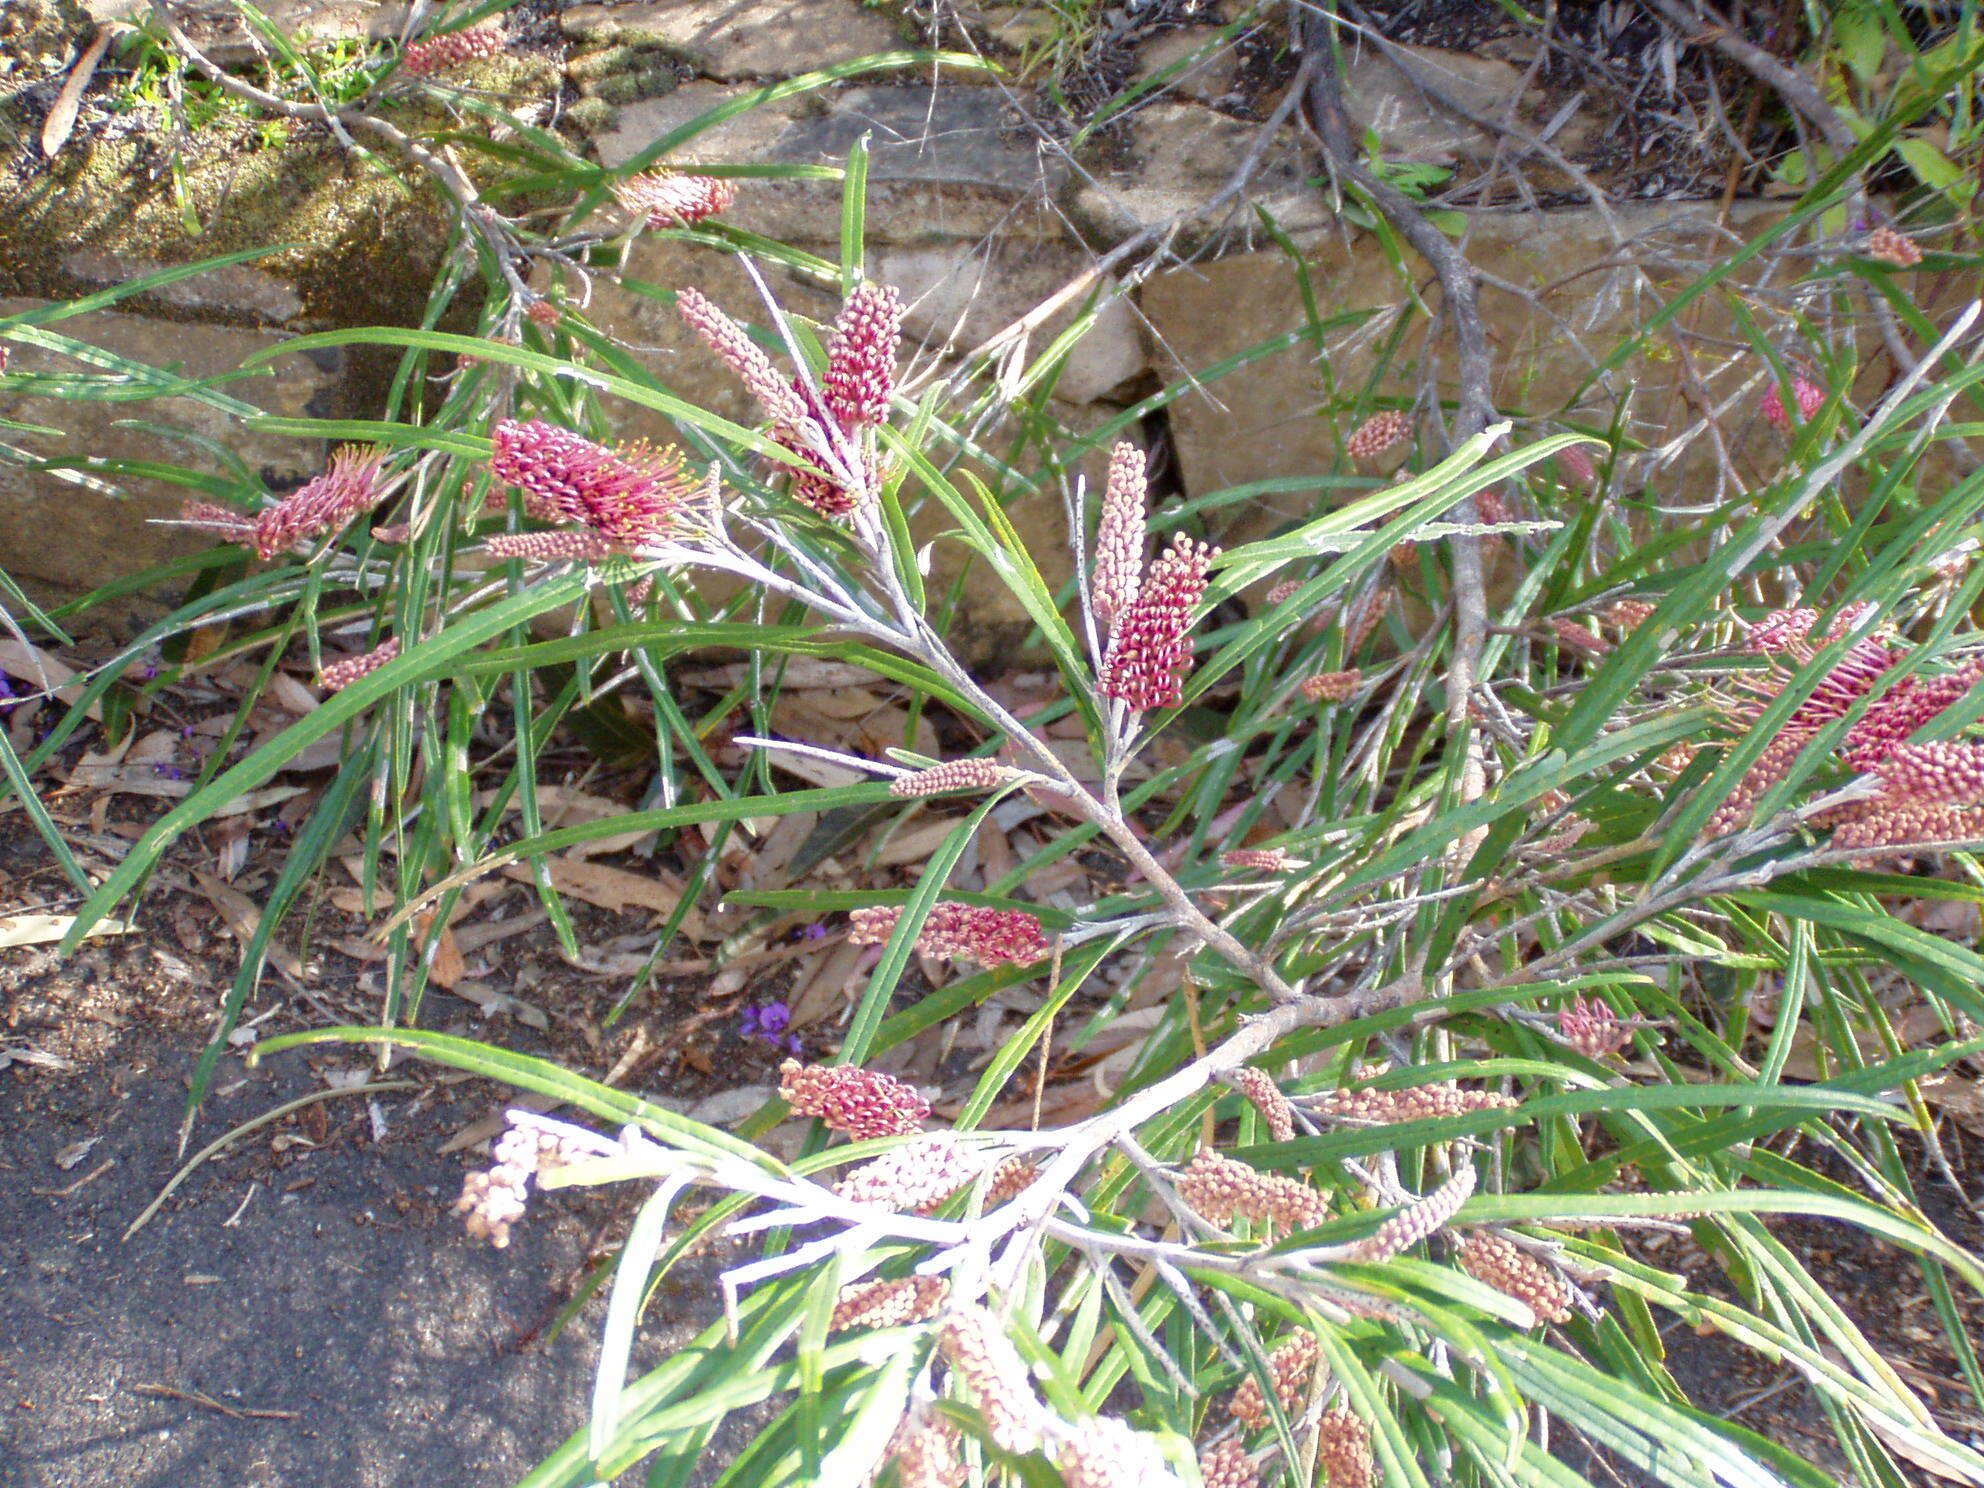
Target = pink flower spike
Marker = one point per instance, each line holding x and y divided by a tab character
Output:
1377	434
1149	646
1577	467
957	774
1947	773
745	357
1120	534
223	521
321	505
1592	1028
549	547
1811	397
963	932
341	674
672	198
424	58
861	358
630	496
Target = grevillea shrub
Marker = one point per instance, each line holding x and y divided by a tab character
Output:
1465	908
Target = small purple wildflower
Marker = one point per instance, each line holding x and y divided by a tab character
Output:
765	1023
9	699
815	931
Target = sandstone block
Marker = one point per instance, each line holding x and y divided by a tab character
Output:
726	40
77	534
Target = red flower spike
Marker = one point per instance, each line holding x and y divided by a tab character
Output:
861	357
1148	645
965	932
628	496
858	1103
321	505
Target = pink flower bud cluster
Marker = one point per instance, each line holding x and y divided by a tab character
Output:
1414	1103
918	1176
339	675
1885	245
1343	1450
1290	1364
952	775
858	1103
1810	395
326	502
964	932
1266	1097
1283	592
1498	1262
1592	1028
1260	859
857	390
927	1452
1332	687
1416	1222
1226	1464
981	1356
425	58
543	313
627	496
1218	1189
1949	773
1378	433
1149	645
888	1304
672	198
1010	1179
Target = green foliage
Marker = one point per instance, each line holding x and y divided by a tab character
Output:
1454	873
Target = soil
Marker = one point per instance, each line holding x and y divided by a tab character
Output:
305	1308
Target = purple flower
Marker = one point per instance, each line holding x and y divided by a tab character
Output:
765	1023
815	931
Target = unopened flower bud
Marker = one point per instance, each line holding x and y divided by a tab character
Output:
951	775
888	1304
1811	397
1289	1366
1149	645
1218	1189
861	357
918	1176
1343	1450
1260	1089
983	1357
1226	1464
926	1452
1261	859
1416	1222
1332	687
425	58
1498	1262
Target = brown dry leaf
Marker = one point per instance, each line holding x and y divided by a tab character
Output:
828	986
243	917
613	889
292	695
916	844
767	867
445	966
40	929
34	665
564	806
797	672
491	1002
